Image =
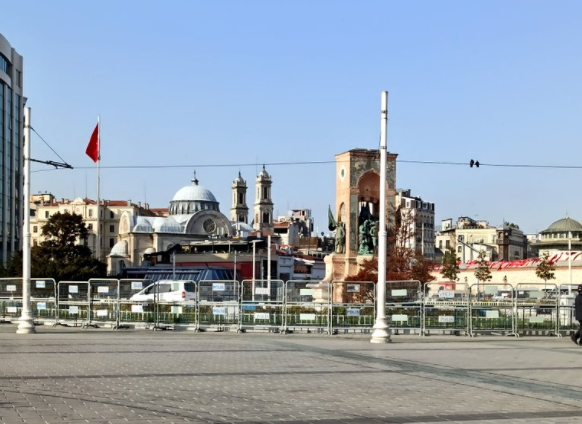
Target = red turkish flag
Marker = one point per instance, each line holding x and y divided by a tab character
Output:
93	146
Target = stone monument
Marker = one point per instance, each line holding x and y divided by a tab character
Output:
357	204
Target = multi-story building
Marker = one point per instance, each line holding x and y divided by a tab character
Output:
297	224
469	237
11	147
45	205
417	216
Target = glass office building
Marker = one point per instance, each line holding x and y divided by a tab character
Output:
11	148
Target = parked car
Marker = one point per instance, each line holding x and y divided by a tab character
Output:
167	291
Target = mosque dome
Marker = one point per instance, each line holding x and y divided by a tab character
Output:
564	225
192	199
194	192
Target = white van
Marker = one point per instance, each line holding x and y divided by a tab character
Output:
167	291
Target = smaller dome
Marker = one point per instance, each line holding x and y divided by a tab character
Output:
149	251
142	225
166	225
564	225
120	249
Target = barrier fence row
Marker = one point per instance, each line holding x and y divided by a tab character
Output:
285	306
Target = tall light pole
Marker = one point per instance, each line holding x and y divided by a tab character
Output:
380	334
26	325
570	262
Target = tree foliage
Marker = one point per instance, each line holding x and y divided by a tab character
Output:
545	268
450	269
482	272
59	256
402	262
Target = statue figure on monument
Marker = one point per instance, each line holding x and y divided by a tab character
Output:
374	234
340	237
365	245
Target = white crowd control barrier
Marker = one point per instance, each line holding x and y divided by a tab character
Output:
133	311
103	302
353	306
489	314
10	299
307	306
73	303
567	317
43	299
404	307
297	305
537	308
262	305
218	305
175	302
446	311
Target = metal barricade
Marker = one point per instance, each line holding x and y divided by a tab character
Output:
307	306
134	311
537	309
353	306
262	305
172	312
567	317
43	299
218	305
10	299
73	303
103	302
446	311
404	306
489	314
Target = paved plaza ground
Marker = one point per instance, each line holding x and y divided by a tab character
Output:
73	375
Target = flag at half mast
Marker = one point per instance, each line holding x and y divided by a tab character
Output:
93	146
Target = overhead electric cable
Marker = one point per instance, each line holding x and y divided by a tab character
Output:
327	162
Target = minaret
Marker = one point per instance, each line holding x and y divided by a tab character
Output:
239	212
263	205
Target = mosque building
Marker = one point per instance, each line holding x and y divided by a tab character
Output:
194	215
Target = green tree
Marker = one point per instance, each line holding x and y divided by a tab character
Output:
60	256
450	269
482	272
545	268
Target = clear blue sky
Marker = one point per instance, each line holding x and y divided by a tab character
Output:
250	82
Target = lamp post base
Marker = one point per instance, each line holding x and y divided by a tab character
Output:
26	325
380	334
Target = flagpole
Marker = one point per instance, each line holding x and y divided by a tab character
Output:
98	247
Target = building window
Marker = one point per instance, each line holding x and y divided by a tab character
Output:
46	214
111	242
112	228
111	214
90	226
90	213
35	229
460	249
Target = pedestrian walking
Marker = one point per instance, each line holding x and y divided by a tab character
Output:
578	314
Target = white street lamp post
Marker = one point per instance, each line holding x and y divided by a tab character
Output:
380	334
26	325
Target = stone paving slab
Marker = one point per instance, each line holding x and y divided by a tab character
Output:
71	375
